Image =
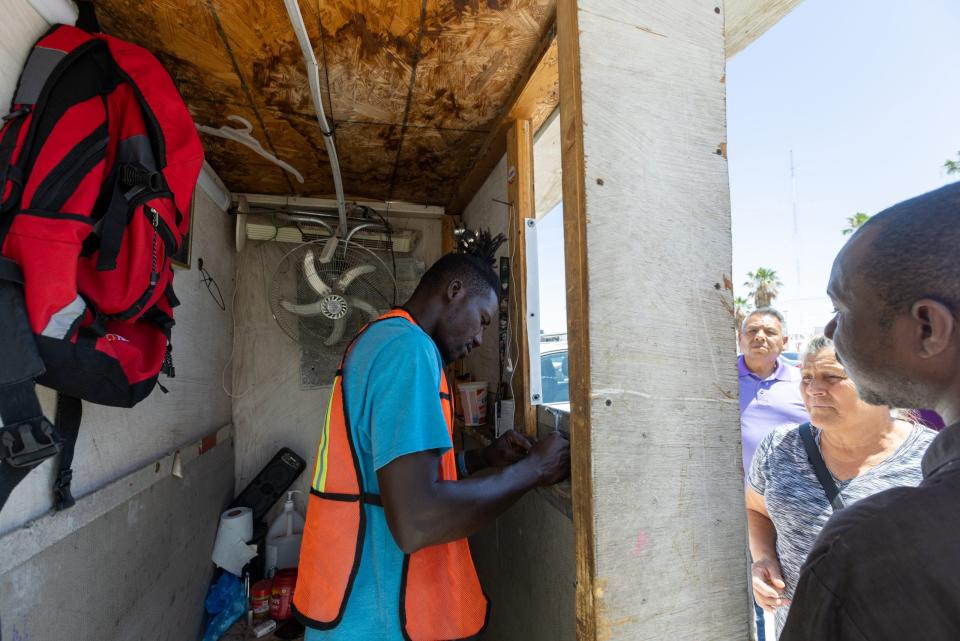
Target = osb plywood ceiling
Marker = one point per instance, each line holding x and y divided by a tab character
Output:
413	88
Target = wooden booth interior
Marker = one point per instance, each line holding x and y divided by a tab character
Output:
438	109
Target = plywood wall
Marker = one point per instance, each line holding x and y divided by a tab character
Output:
657	483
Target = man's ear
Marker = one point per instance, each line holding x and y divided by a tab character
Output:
454	289
934	326
786	341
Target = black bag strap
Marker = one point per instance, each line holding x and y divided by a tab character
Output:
26	437
69	415
820	467
87	17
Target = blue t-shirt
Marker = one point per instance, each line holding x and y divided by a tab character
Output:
391	385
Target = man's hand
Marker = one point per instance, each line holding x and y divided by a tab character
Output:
506	450
768	584
551	459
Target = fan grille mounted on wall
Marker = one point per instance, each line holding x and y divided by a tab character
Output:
322	292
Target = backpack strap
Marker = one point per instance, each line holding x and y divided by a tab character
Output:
8	142
820	468
26	437
69	415
87	17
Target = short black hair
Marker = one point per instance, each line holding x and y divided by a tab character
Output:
476	274
913	252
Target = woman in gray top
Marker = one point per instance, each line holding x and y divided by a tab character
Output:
865	450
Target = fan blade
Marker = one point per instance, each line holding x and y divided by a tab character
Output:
329	250
363	306
310	309
313	278
339	327
352	274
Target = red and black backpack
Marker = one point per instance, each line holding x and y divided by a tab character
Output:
98	161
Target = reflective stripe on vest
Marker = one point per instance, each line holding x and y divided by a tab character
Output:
440	595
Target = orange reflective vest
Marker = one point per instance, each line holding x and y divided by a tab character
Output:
440	595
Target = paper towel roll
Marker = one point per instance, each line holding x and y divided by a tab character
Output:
230	550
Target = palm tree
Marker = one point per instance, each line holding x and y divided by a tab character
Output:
855	222
952	166
763	285
741	307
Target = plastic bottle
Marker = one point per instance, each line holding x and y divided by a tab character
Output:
284	537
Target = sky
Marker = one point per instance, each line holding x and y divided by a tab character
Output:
866	95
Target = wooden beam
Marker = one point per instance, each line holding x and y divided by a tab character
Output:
520	195
747	20
447	242
541	95
578	318
535	99
657	482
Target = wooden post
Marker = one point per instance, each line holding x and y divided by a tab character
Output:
447	242
520	195
657	480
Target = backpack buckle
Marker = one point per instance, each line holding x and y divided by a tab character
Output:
28	443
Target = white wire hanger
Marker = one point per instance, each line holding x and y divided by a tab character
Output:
243	136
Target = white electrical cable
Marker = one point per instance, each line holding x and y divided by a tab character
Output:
313	75
243	136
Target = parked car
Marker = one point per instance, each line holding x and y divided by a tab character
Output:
555	375
791	358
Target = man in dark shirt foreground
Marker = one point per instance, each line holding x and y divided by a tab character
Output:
888	567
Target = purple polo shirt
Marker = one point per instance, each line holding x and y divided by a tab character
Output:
766	404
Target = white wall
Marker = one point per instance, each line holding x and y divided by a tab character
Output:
134	551
271	409
20	28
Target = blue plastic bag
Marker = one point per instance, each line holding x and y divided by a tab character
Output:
227	600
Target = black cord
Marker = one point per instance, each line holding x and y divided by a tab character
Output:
212	285
393	256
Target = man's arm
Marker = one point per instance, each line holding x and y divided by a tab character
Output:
423	511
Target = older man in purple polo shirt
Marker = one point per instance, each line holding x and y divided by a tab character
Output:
769	388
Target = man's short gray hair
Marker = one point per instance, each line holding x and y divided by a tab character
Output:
765	311
816	345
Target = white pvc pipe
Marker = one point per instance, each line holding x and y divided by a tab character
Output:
56	11
313	75
209	182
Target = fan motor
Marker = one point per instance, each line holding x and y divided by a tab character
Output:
334	306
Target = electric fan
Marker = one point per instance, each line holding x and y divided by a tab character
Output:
323	291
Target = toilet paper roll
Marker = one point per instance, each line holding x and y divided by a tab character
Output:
230	550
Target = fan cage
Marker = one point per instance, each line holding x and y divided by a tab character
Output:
290	283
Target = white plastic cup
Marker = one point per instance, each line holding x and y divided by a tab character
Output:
473	397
